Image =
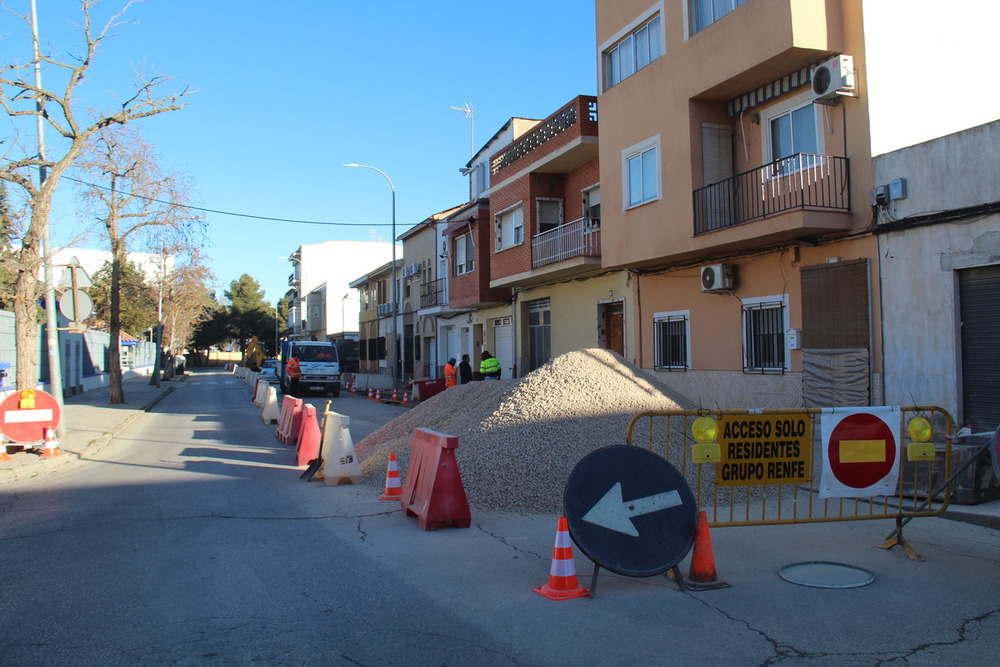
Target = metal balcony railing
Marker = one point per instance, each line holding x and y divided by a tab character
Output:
384	309
434	293
580	238
802	181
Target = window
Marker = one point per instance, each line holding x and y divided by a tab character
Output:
671	340
592	204
639	48
464	254
765	321
793	132
480	179
510	228
704	13
550	214
641	176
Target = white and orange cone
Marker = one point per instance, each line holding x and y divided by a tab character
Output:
563	584
4	456
51	446
406	398
395	396
378	395
393	487
371	393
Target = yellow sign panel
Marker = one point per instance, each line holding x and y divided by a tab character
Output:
764	449
862	451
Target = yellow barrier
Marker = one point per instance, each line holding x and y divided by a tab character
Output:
766	467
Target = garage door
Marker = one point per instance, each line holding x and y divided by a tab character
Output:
980	318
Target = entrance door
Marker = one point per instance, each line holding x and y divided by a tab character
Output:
980	319
613	327
539	333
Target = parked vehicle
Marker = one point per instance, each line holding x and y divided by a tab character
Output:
270	370
318	362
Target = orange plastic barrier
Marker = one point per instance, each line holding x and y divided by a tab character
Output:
309	437
291	421
433	491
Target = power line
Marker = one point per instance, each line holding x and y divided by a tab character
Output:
233	214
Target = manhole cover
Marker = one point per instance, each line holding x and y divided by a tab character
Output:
822	574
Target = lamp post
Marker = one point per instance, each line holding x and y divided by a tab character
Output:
394	348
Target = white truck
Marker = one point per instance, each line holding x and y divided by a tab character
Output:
318	362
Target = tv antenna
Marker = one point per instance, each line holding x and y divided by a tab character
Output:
470	113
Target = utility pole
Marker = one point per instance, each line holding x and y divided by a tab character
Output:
51	320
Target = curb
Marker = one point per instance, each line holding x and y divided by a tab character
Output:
34	468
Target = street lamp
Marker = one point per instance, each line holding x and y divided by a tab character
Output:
394	348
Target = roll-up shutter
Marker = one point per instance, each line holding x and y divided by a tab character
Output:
980	324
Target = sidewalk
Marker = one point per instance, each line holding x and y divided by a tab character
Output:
88	424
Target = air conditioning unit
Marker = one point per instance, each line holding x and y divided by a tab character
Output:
717	278
411	269
832	79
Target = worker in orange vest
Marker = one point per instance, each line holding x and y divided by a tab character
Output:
294	373
450	373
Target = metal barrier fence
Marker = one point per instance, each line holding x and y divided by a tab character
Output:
765	467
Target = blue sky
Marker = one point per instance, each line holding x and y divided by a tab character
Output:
288	91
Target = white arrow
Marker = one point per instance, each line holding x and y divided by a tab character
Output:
613	513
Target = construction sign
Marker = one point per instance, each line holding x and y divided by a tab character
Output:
861	452
764	449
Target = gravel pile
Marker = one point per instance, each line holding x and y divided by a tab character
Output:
519	439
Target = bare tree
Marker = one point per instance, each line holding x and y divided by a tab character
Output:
131	200
55	107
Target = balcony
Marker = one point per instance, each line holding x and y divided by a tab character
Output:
384	309
558	144
580	238
802	182
434	293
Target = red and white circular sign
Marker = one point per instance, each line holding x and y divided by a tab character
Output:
30	422
861	450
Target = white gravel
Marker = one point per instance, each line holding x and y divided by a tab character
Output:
519	439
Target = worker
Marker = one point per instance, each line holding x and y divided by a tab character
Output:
465	370
450	373
294	373
490	366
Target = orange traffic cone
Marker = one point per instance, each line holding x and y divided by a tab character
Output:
406	398
354	388
395	396
378	395
393	489
371	393
51	446
562	574
4	456
702	575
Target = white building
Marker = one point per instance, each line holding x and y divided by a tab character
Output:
322	302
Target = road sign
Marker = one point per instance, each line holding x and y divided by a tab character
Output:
764	449
630	511
75	305
861	453
25	416
74	276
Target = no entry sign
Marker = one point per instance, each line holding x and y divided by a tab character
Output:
26	415
861	453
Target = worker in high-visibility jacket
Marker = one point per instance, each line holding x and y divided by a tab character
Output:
489	367
450	373
294	373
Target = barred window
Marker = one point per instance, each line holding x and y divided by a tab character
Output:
671	334
764	325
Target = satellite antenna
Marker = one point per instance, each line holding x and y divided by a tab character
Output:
374	235
471	114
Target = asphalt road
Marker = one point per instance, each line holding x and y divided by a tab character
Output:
192	540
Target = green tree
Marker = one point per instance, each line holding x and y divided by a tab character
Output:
250	314
8	258
137	310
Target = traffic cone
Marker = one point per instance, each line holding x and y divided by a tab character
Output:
395	396
371	393
378	395
354	388
393	489
4	456
702	575
406	398
51	446
562	574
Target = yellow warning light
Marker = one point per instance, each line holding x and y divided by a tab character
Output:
919	429
27	401
705	430
706	452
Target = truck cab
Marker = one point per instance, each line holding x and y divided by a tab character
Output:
319	363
